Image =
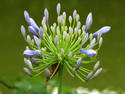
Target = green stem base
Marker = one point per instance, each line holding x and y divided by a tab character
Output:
60	76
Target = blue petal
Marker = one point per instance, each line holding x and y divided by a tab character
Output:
29	53
103	30
32	31
89	52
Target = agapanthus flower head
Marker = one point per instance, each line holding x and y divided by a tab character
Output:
70	44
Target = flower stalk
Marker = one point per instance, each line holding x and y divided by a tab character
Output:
60	78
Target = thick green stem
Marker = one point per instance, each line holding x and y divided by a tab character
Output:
60	75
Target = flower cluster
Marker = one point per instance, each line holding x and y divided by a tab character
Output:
65	42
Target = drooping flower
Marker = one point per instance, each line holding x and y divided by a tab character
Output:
103	30
89	52
29	53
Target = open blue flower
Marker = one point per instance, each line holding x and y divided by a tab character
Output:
103	30
29	53
89	52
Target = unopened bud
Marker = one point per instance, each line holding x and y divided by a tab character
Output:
58	8
26	70
70	19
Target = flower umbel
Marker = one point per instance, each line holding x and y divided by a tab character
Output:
68	44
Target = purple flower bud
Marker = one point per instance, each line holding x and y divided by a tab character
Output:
27	17
89	52
29	53
32	59
99	36
47	72
28	63
74	14
32	31
103	30
33	24
77	17
37	41
79	61
79	25
58	8
41	32
23	31
88	22
89	76
92	42
83	28
29	39
46	14
85	38
97	73
26	70
56	40
100	41
38	53
70	30
96	65
64	15
70	19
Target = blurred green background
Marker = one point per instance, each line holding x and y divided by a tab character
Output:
105	12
